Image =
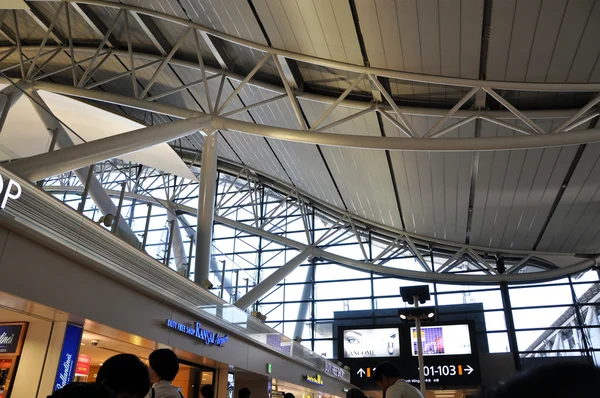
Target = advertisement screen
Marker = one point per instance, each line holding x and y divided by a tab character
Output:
442	340
372	343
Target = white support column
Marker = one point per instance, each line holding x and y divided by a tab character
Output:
178	249
8	97
262	288
206	207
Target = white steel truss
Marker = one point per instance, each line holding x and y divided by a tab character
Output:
244	197
520	121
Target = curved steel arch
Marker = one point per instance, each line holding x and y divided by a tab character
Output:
425	276
452	252
406	76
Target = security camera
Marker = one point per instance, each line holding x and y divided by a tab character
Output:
95	342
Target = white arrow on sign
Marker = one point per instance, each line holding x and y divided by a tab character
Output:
469	369
361	372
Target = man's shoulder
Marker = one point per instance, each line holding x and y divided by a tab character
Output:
402	389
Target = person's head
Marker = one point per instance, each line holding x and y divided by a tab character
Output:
289	395
126	375
87	390
355	393
164	365
244	393
207	391
561	380
386	375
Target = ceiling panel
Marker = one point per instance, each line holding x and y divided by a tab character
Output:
232	17
277	113
362	176
139	39
28	28
535	40
574	22
196	141
306	168
515	190
424	37
433	187
79	28
322	28
579	198
588	51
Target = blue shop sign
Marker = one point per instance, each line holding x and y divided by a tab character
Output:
198	332
68	356
9	338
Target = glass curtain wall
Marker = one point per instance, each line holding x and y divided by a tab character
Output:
558	318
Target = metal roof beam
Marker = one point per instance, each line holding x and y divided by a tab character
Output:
94	22
153	32
217	48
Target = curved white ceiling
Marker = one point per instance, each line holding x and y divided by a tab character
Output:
25	135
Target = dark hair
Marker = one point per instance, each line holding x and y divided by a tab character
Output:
244	393
355	393
385	369
289	395
165	364
87	390
126	375
561	380
207	391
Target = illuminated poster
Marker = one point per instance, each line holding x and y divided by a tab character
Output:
442	340
371	343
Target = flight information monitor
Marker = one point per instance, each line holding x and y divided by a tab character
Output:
450	353
371	343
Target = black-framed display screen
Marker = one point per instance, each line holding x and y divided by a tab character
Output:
450	352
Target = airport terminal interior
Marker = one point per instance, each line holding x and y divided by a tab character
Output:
287	193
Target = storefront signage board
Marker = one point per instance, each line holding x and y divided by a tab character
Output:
83	365
209	338
10	337
68	356
12	191
316	379
336	371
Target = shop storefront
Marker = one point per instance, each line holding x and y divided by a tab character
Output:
28	344
12	336
107	317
